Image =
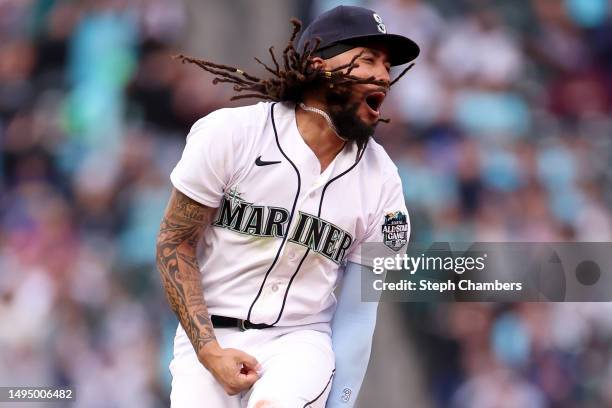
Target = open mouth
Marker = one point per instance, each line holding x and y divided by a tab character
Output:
374	100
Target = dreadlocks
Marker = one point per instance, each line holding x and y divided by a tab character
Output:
289	82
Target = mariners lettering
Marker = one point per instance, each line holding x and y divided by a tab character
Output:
277	218
309	231
321	237
230	215
255	221
238	215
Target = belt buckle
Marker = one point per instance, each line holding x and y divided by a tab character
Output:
241	325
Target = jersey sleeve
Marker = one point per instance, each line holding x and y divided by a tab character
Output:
209	160
352	353
389	226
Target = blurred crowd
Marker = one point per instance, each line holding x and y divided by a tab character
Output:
505	134
501	132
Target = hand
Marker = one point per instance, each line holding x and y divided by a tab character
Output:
235	370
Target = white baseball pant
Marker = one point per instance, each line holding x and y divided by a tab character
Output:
297	369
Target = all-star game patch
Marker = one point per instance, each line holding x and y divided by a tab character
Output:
395	230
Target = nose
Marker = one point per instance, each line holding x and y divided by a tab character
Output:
382	74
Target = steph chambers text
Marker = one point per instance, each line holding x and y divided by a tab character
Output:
427	285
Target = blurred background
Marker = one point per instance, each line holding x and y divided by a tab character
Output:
501	132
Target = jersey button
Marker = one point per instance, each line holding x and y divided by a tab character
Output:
274	287
312	194
291	256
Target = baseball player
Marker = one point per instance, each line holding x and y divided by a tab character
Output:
270	207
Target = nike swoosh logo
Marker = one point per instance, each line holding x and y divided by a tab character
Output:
259	162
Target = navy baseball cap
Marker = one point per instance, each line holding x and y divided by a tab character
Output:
346	27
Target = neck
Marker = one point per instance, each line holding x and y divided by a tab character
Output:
317	133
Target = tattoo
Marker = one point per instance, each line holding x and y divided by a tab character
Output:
180	230
189	209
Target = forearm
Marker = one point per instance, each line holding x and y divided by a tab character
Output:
181	280
178	267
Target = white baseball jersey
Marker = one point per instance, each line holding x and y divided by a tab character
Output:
283	228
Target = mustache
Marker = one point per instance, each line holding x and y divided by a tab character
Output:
350	88
383	89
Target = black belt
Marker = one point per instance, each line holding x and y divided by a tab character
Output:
222	321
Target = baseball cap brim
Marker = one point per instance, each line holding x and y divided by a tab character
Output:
401	49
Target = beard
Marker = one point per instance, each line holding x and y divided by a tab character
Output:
343	113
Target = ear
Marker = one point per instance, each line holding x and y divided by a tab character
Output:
317	63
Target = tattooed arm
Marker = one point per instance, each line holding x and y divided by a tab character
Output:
181	228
